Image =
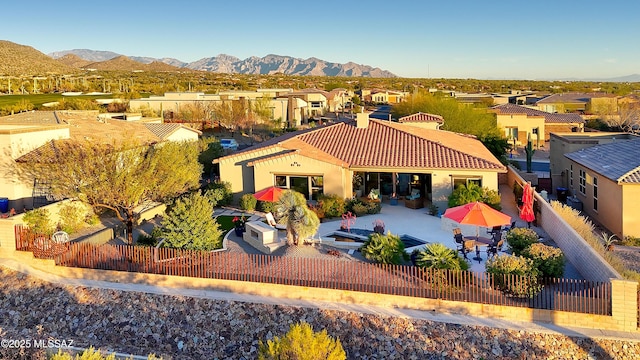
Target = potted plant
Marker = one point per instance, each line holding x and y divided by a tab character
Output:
357	184
378	226
433	209
239	224
393	200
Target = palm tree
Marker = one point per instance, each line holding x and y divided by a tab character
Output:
438	256
291	210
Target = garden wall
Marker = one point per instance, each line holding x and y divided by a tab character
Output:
589	263
624	296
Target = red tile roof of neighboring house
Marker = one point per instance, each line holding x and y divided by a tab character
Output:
507	109
421	117
388	145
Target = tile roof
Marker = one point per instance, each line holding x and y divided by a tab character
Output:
573	97
32	118
548	117
421	117
164	130
390	145
617	161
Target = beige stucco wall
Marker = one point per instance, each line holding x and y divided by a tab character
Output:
236	171
183	135
631	210
525	125
442	183
15	141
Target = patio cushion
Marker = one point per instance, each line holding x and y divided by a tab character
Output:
415	193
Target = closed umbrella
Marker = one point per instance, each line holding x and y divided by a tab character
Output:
479	214
526	211
271	194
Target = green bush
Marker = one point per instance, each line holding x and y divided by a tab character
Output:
219	193
630	241
332	205
471	193
373	207
514	275
190	225
520	239
547	259
384	249
266	206
72	217
438	256
359	209
248	202
151	239
302	343
39	222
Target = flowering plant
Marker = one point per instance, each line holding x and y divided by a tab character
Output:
239	221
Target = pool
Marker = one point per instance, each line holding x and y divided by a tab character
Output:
358	236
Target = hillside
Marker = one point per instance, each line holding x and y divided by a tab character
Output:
21	60
74	61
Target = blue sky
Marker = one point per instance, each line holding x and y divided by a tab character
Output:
417	38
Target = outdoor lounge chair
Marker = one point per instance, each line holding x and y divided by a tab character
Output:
414	200
272	222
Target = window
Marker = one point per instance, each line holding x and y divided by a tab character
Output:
512	132
595	193
571	176
309	186
457	181
582	181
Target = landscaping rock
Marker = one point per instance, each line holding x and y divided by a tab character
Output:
178	327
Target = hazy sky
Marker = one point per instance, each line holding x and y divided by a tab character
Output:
417	38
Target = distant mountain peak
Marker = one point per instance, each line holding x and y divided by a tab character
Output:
224	63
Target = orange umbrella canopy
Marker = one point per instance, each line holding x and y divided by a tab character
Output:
477	213
269	194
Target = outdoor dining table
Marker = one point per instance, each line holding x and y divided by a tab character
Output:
479	241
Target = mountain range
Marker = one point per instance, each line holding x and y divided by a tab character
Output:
270	64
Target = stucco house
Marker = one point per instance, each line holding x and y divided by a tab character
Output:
519	122
577	102
389	156
420	119
606	179
23	133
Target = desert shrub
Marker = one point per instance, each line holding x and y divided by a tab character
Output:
88	354
91	218
332	205
359	209
438	256
547	259
384	249
72	217
266	206
301	342
630	241
190	225
317	209
520	239
584	227
39	222
373	207
150	239
514	275
471	193
219	193
248	202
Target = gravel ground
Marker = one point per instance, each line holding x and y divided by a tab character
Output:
177	327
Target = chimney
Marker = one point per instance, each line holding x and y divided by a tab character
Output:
362	120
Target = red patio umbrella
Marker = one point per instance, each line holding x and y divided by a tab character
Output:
271	194
477	213
526	211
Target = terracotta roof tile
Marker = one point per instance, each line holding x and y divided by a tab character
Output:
421	117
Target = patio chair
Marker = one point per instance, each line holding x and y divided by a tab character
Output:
494	248
467	247
494	230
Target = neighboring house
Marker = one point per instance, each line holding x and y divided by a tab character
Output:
564	143
387	96
577	102
427	121
390	156
25	133
311	103
520	122
607	181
